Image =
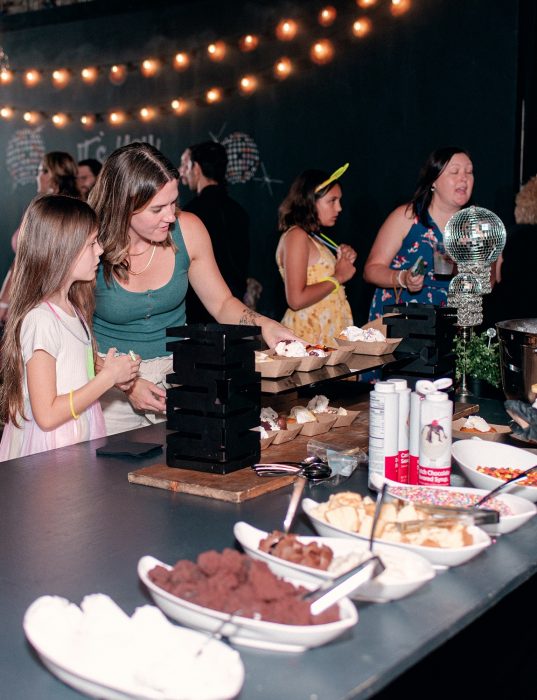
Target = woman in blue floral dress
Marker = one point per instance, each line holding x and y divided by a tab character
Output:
445	185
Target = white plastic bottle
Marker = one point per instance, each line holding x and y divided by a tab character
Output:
403	392
383	434
436	416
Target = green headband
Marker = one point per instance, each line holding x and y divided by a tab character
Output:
335	176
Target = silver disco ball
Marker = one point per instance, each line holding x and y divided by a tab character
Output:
474	236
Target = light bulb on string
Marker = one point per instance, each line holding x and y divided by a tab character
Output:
150	67
60	119
327	16
31	117
287	29
88	121
89	74
61	77
117	117
361	27
248	84
147	114
6	112
283	68
322	52
6	76
366	3
399	7
32	77
217	51
213	95
179	106
248	42
117	74
181	61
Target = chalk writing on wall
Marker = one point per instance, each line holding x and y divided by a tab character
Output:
102	144
24	152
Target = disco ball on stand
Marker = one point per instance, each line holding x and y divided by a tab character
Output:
474	237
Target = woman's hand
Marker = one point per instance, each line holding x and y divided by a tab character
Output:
273	332
146	396
414	283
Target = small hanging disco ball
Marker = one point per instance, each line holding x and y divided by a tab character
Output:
243	157
475	236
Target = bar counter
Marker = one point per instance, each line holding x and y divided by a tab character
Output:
72	524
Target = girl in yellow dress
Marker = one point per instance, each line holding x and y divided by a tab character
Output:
313	275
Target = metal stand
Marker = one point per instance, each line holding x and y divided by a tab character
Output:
466	333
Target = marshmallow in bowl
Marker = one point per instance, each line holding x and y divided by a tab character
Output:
319	404
367	335
269	419
291	348
477	423
302	414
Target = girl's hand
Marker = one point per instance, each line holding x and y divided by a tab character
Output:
414	283
344	270
146	396
347	251
121	368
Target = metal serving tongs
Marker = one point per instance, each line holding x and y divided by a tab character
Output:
312	468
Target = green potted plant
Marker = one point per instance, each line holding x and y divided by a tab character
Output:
479	359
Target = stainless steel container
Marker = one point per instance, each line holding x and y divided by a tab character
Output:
518	354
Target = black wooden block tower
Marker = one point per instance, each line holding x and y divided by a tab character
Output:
215	400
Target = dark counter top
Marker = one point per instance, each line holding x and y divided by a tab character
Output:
72	524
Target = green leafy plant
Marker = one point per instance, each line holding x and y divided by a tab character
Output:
480	357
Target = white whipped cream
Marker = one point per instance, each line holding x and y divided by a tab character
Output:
291	349
367	335
477	423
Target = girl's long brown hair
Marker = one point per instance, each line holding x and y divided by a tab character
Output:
131	176
53	232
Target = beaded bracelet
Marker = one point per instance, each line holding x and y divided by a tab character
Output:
71	406
334	282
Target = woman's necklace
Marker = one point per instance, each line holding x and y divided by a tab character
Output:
135	255
148	264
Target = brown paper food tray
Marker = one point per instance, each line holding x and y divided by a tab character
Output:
324	422
501	431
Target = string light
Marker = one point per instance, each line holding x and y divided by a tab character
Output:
248	42
287	30
87	121
366	3
60	120
89	74
361	27
150	67
327	16
147	114
282	68
116	118
31	117
181	61
213	95
322	52
117	74
217	50
61	77
399	7
32	77
6	76
179	106
6	112
248	84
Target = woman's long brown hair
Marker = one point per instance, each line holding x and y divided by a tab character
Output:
53	232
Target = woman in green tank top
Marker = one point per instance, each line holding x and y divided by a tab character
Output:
152	251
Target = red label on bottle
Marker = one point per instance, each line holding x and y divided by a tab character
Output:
390	467
402	472
413	469
434	476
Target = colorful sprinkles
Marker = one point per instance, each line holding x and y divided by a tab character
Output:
446	497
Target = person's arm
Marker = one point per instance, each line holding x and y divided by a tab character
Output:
51	410
294	258
205	278
391	234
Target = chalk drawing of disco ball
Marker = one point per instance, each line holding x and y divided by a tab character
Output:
474	235
24	152
243	157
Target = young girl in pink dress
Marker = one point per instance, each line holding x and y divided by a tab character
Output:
50	394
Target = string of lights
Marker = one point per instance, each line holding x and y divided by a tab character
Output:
318	52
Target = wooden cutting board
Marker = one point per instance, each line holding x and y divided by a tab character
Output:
236	487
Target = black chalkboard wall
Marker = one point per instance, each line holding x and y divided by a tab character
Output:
441	73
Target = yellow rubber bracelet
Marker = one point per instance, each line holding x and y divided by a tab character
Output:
71	406
334	282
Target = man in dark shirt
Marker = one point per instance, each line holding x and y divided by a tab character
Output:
224	218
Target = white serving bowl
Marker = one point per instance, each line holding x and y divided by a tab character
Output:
245	631
438	556
470	454
379	590
521	509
